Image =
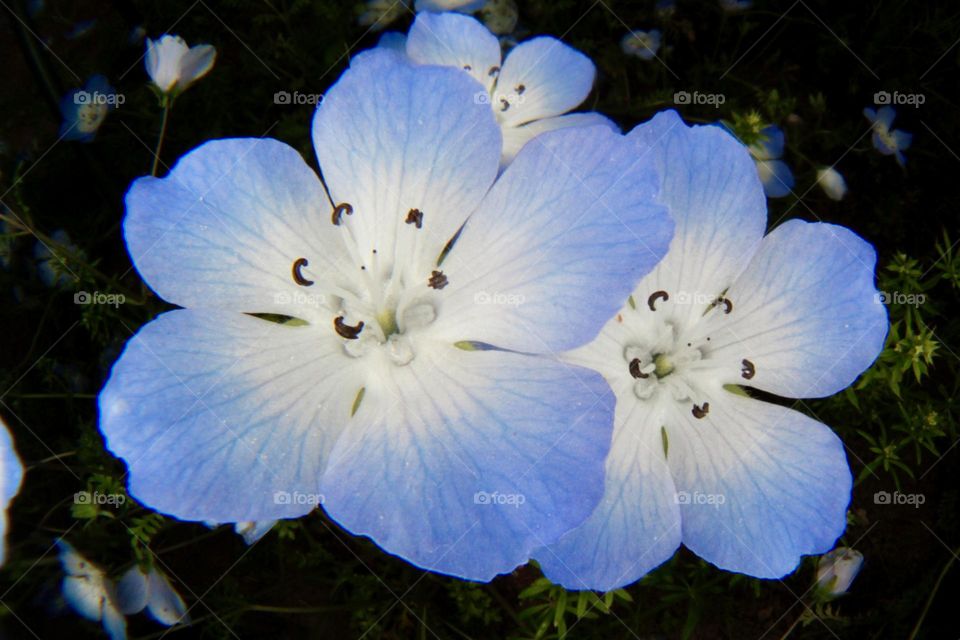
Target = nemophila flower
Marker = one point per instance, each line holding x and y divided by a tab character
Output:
641	44
138	590
887	141
374	401
173	66
832	183
90	593
747	485
529	91
53	260
85	109
774	173
836	571
11	475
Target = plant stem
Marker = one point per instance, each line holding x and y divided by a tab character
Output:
933	593
163	133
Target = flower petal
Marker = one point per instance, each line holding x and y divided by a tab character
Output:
455	40
392	137
711	189
195	64
225	417
805	312
760	484
770	146
11	475
464	462
133	591
541	269
224	228
636	526
776	177
165	605
542	77
515	137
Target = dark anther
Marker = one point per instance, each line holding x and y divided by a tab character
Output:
635	369
494	70
520	89
699	412
467	67
437	280
748	370
298	264
342	208
657	295
345	330
727	304
505	103
415	216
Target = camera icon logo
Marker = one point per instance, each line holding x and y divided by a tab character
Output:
481	497
681	97
682	497
281	497
881	497
881	97
282	97
82	297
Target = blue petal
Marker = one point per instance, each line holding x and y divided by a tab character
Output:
885	116
454	40
711	189
561	258
761	484
392	137
464	462
11	475
99	84
770	146
224	227
133	591
902	139
515	137
805	312
222	416
394	41
776	177
636	527
165	604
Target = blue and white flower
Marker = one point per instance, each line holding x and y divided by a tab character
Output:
90	593
138	590
747	485
529	90
85	109
11	475
173	66
375	402
832	183
774	173
641	44
886	140
836	571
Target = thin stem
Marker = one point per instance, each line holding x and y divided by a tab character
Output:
163	133
933	593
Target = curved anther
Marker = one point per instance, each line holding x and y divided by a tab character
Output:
340	210
748	370
657	295
505	104
700	411
298	264
727	304
635	369
437	280
520	88
494	70
415	217
345	330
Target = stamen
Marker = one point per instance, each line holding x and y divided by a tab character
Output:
657	295
340	210
699	412
415	216
727	304
437	280
494	70
748	369
467	67
635	369
298	264
505	103
345	330
520	88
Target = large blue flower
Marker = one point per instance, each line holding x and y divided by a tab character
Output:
748	485
372	403
529	91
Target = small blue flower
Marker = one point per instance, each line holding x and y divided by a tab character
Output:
529	91
152	591
53	261
887	141
11	475
774	173
372	406
641	44
85	109
748	485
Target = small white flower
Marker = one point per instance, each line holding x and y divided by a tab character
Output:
836	571
152	591
832	183
641	44
90	593
173	66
